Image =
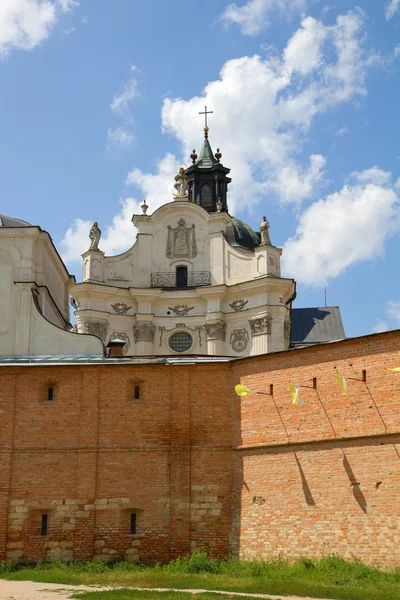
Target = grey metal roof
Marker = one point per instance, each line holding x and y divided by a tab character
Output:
316	325
97	359
11	222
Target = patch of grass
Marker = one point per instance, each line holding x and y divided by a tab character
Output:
328	577
124	594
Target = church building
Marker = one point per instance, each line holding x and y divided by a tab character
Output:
197	280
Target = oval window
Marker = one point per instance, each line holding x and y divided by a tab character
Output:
180	342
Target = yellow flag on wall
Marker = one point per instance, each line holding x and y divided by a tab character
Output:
342	383
396	369
242	390
296	400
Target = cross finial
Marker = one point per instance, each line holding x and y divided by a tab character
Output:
205	113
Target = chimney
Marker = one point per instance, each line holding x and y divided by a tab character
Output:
116	347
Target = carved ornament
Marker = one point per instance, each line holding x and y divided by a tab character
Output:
143	332
239	339
120	308
260	325
98	328
238	305
181	241
180	310
216	330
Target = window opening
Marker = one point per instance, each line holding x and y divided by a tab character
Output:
133	523
44	524
206	196
180	342
137	392
181	276
50	393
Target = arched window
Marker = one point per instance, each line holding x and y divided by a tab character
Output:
181	277
206	196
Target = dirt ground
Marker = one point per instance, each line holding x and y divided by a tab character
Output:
29	590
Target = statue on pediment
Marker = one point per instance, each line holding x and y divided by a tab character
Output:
181	184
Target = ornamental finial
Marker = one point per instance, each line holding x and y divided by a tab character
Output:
193	156
218	155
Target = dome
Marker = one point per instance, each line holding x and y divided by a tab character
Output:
241	234
11	222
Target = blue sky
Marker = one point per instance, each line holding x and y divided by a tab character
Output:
99	106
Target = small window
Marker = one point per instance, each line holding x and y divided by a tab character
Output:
180	342
50	394
137	392
44	524
133	523
206	196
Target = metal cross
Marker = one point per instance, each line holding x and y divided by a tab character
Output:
205	113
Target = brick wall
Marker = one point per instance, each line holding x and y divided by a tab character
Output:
201	468
93	456
323	478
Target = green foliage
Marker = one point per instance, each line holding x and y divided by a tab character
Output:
328	577
198	562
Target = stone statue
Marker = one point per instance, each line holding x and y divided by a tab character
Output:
181	184
94	236
265	239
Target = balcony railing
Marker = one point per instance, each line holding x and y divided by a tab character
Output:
169	280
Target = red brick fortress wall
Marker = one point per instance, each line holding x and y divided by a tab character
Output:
94	455
323	478
200	467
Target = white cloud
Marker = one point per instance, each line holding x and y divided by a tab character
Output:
391	9
344	228
119	137
380	326
157	189
393	311
372	175
294	184
121	102
397	50
116	238
252	17
303	52
263	108
342	131
121	234
26	23
85	20
67	5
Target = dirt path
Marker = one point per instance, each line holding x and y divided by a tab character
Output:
29	590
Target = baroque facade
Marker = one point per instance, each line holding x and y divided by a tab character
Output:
196	281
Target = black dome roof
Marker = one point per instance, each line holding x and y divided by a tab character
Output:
238	233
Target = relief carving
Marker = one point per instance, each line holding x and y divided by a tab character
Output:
260	325
180	310
238	305
239	339
216	330
98	328
120	308
143	332
181	241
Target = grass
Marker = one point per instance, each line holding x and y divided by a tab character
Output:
136	595
329	577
